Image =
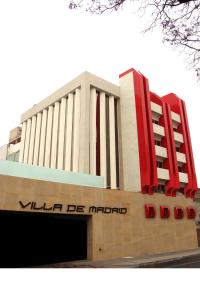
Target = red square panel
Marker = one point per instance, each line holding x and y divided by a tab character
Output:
191	212
150	211
178	213
164	212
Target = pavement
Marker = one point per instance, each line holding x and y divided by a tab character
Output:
148	261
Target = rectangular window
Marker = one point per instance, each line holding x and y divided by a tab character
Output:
156	122
159	164
158	143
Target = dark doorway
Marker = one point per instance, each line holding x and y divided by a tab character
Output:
35	239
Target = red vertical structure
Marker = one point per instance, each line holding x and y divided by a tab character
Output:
170	162
178	106
148	168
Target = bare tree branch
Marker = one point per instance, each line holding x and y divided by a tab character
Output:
179	21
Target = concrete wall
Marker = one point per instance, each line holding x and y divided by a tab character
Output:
109	235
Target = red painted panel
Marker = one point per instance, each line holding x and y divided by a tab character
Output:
191	212
177	105
164	212
170	162
150	211
98	135
148	169
178	212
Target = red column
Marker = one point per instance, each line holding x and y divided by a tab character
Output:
170	163
177	105
148	168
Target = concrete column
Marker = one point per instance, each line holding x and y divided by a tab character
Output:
84	141
129	135
93	136
42	138
113	183
47	155
22	144
37	139
76	131
27	141
103	164
68	137
32	140
54	144
61	137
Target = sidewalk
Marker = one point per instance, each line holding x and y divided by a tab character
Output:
148	261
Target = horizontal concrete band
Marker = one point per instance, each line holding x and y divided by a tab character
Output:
11	168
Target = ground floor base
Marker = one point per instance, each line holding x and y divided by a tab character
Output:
44	222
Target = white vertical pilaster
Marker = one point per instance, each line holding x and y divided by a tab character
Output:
93	105
48	137
68	136
37	139
76	131
113	183
42	138
61	137
103	164
84	138
22	144
32	140
27	141
55	135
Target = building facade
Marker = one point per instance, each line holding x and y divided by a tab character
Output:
104	171
135	139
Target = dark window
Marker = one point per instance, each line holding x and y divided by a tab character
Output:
159	164
158	143
178	149
156	122
180	168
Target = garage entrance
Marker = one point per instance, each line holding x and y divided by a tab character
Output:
35	239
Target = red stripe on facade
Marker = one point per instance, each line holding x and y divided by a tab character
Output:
170	162
173	184
191	187
177	105
98	136
148	169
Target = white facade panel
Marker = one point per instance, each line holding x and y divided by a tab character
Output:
163	173
103	159
37	139
76	132
48	144
175	117
22	145
158	130
178	137
161	151
69	129
61	137
32	140
113	179
183	177
42	138
93	137
54	144
27	141
156	108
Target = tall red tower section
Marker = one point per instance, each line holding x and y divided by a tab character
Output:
165	155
